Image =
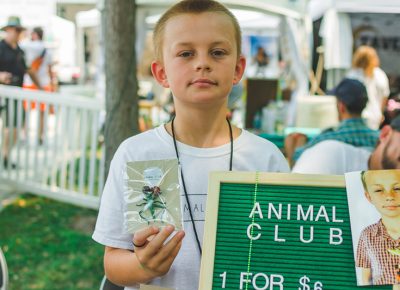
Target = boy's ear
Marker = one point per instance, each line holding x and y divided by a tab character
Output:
367	196
158	71
239	69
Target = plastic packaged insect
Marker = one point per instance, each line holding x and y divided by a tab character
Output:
152	194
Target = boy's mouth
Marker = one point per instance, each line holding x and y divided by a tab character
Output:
203	82
391	207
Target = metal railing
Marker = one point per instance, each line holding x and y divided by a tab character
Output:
50	145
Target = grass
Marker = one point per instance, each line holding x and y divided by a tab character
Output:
48	245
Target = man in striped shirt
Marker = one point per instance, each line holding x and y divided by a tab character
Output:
379	243
351	100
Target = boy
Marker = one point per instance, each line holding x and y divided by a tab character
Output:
197	47
378	265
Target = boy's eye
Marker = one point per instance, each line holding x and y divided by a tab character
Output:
186	54
218	52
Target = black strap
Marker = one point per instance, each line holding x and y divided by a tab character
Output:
43	53
183	180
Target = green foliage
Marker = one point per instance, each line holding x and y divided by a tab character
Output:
48	245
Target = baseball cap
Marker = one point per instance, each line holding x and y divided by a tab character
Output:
352	93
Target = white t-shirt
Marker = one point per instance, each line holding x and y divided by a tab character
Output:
332	157
251	153
377	88
33	50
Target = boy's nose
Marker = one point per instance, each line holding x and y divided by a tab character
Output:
203	63
390	195
203	66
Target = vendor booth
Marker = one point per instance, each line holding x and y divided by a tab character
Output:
347	24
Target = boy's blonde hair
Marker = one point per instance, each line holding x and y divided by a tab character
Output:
364	182
366	58
192	7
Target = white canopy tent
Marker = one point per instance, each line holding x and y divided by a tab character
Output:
318	8
341	19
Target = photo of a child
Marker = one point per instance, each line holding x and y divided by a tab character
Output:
375	228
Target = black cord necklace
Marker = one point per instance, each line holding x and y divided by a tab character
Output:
183	180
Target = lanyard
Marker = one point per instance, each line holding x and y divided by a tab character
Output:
183	180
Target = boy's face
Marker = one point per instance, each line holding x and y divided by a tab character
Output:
383	191
200	61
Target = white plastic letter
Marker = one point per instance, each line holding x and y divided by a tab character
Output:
338	235
311	235
275	282
249	231
277	239
334	216
256	209
255	281
244	278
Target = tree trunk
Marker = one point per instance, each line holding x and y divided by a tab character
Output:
118	21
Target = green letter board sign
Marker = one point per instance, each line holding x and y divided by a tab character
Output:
277	231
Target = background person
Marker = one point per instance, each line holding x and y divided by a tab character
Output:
351	97
12	70
39	59
365	68
334	157
261	59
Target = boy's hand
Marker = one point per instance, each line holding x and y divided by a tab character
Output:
154	256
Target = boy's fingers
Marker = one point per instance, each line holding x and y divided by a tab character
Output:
172	255
158	241
155	253
171	246
140	237
166	264
169	251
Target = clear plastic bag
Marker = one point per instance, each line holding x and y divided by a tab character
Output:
152	195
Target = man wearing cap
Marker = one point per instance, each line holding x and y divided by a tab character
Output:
351	98
12	64
12	70
334	157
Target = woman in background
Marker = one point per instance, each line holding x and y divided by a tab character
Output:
365	68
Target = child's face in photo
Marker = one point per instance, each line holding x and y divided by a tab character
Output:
383	191
200	58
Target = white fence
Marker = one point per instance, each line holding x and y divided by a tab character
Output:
66	161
